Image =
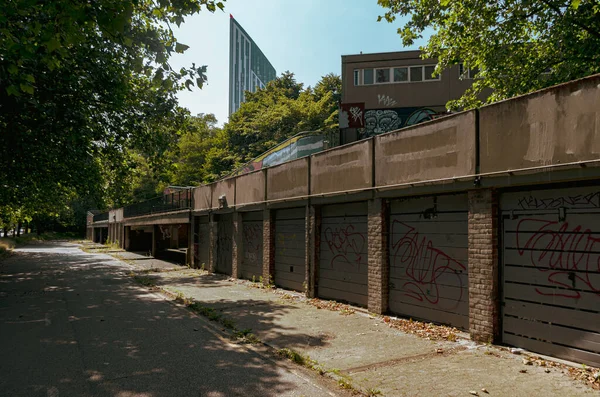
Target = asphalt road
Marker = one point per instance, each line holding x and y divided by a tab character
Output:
75	324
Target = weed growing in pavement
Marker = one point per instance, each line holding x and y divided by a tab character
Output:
345	384
300	359
246	336
373	392
145	281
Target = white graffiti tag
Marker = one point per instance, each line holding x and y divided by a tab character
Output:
386	100
357	114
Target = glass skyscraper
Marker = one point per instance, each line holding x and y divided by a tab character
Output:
249	68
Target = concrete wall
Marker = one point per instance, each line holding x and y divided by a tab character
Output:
202	198
288	180
443	148
225	188
250	188
553	126
345	168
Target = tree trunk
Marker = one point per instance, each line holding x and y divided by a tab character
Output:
19	225
5	231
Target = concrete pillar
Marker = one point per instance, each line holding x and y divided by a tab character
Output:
484	305
237	245
191	255
378	256
313	240
268	272
127	230
155	234
212	252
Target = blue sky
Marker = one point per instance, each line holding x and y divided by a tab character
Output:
305	37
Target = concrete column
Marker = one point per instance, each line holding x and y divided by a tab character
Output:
313	240
484	305
155	233
212	238
268	272
191	255
127	230
237	245
378	256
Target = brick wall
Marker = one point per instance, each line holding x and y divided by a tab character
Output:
268	246
237	248
378	258
483	266
212	237
313	233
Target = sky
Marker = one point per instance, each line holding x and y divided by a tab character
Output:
306	37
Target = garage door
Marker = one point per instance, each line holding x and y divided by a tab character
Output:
224	243
428	259
551	272
201	241
252	245
343	255
290	248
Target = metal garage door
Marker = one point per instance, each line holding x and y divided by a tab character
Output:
201	241
252	245
343	257
290	248
428	259
224	243
551	272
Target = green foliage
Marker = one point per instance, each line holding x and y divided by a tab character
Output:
516	45
83	87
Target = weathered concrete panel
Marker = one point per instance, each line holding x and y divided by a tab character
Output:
288	180
250	188
554	126
225	188
202	197
443	148
119	215
344	168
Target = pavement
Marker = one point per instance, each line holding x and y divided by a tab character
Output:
75	323
361	351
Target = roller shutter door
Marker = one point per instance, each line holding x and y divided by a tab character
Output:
202	241
428	259
551	272
290	248
343	253
252	245
224	243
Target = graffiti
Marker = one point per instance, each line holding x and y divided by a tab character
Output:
591	200
378	121
252	240
424	266
165	231
357	115
568	257
346	245
351	115
386	100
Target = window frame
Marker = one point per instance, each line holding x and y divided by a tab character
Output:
372	77
375	70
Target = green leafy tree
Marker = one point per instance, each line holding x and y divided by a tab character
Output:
516	46
82	85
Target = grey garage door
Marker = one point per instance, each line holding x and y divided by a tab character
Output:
428	259
343	253
252	245
224	243
551	272
202	241
290	248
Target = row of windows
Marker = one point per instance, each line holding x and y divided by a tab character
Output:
403	74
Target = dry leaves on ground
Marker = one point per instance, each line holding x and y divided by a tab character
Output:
331	305
424	330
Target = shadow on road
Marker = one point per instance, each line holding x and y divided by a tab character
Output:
76	324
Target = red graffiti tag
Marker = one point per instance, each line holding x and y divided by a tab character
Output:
346	244
424	265
566	256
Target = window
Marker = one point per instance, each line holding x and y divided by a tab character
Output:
416	73
429	69
368	76
382	75
400	74
356	76
468	73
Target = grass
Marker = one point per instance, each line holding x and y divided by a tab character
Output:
6	247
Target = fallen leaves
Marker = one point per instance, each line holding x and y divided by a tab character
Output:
586	374
332	306
425	330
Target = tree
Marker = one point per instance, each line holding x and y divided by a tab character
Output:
515	46
82	84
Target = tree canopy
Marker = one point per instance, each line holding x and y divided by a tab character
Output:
516	46
82	86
